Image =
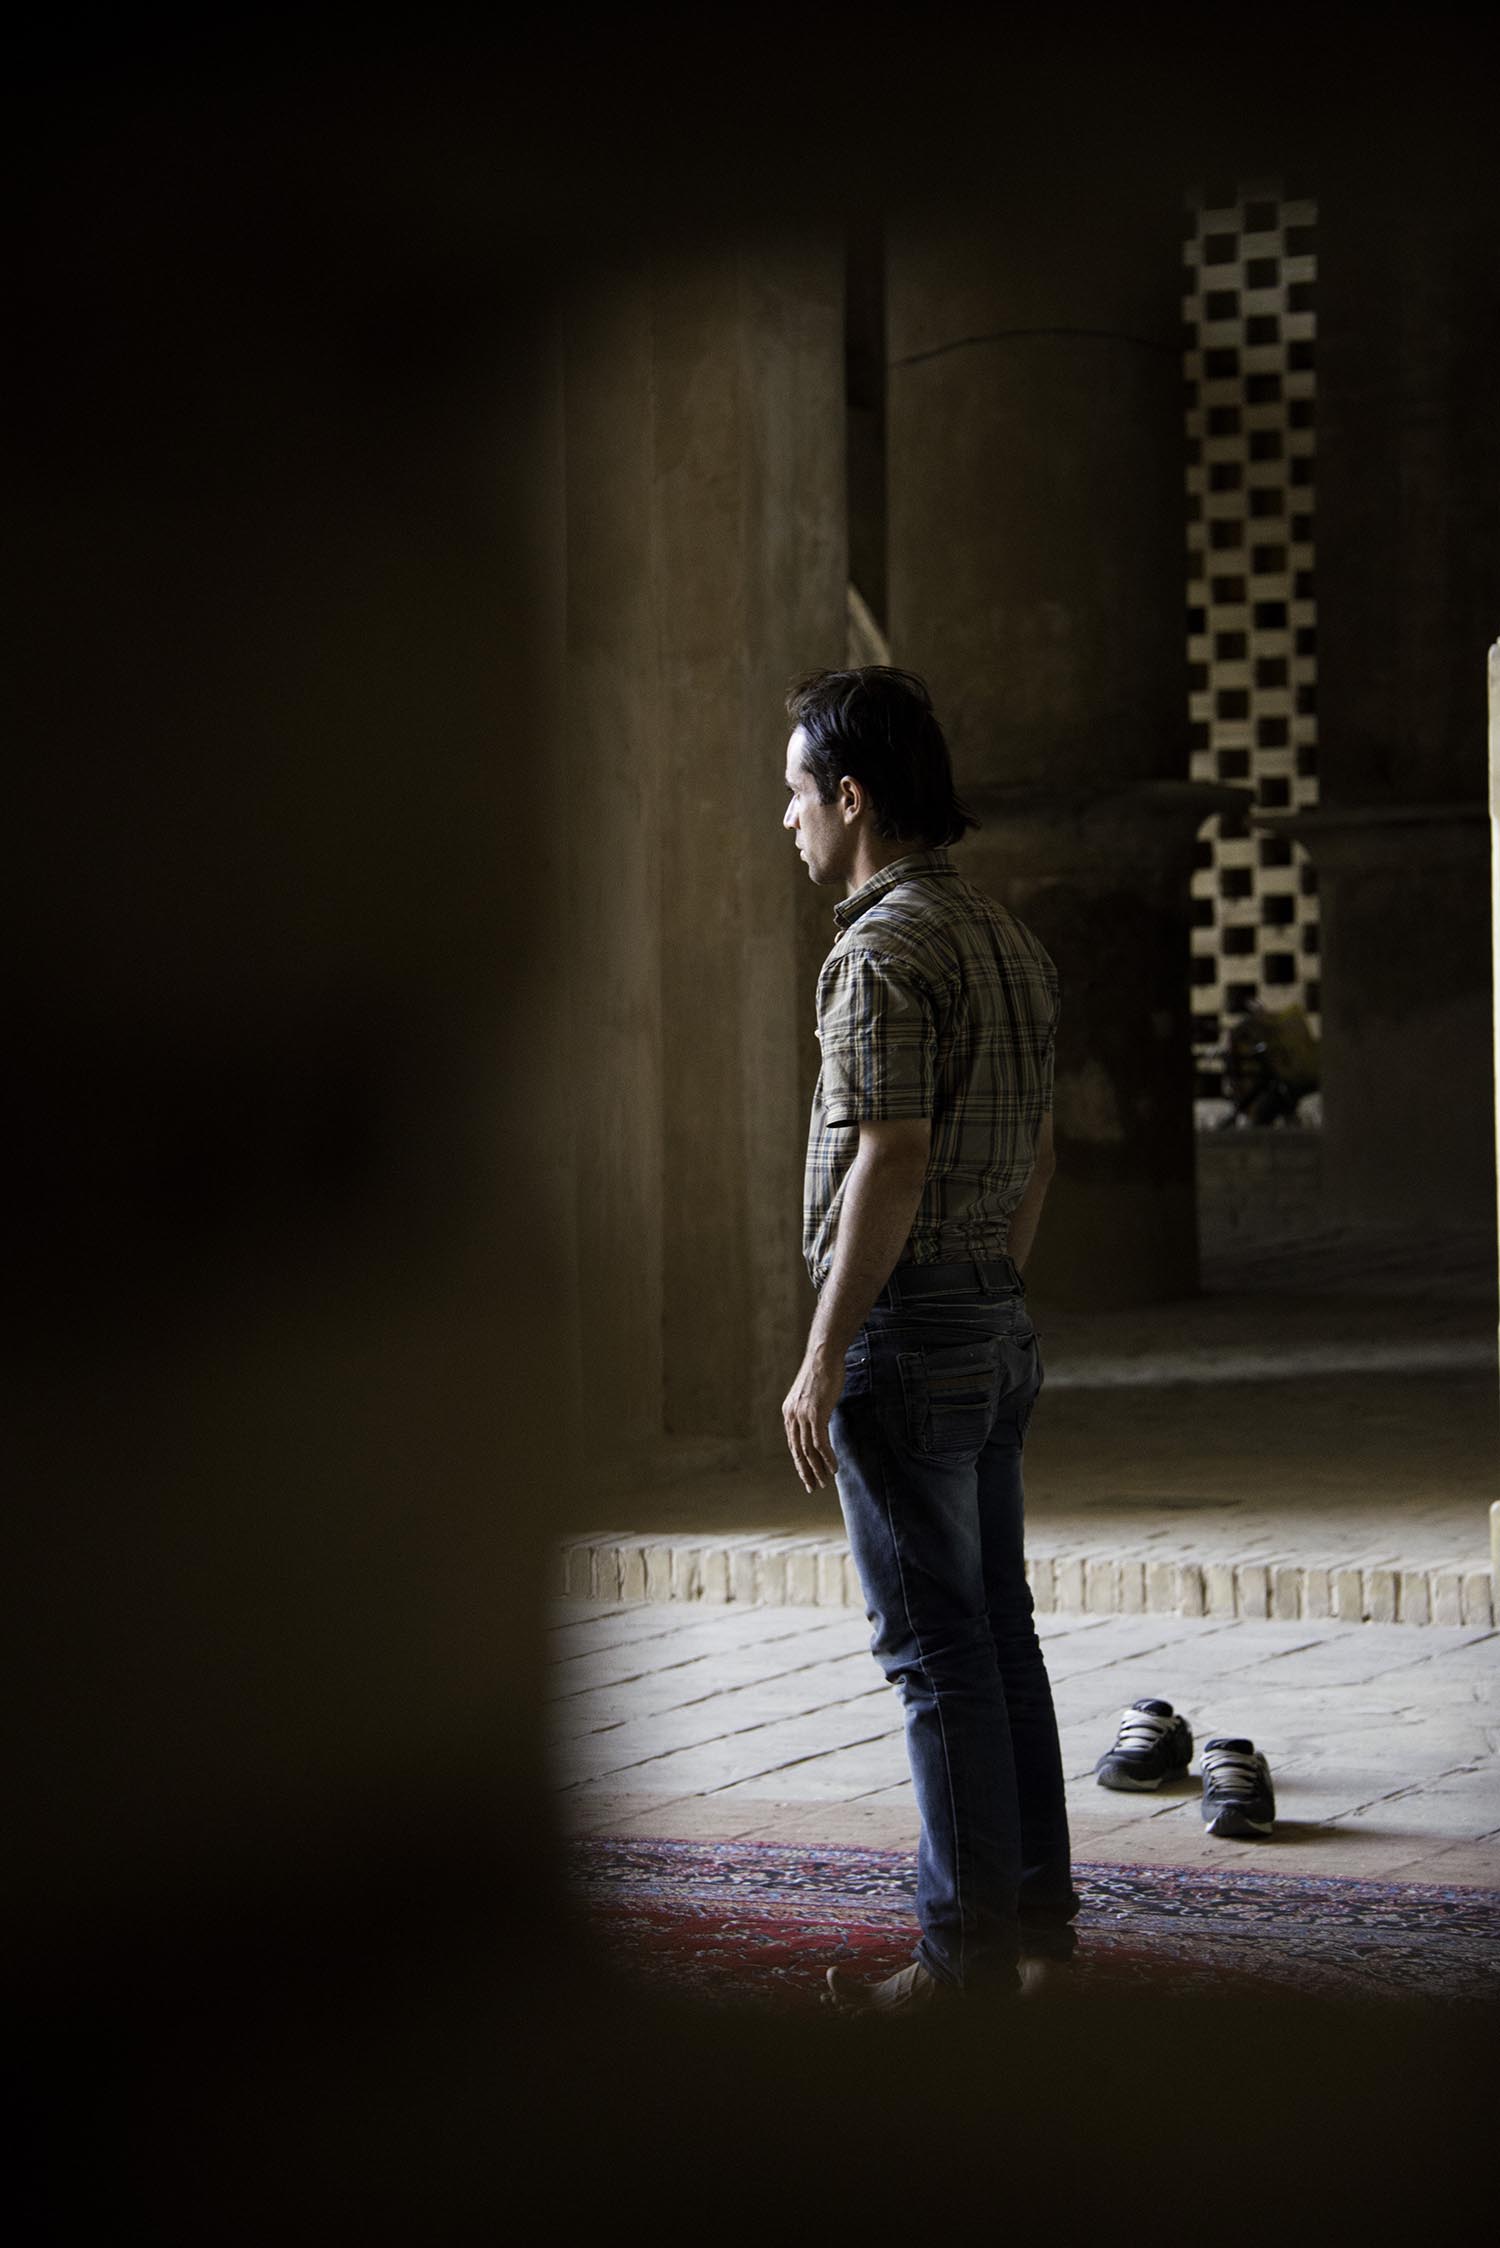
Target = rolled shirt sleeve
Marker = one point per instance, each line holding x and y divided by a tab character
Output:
878	1029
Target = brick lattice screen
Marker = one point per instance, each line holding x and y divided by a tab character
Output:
1249	350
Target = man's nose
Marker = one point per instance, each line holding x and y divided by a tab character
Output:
789	816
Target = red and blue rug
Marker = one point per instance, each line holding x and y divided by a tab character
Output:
757	1923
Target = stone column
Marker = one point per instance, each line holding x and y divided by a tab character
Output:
750	574
1408	531
706	567
1036	455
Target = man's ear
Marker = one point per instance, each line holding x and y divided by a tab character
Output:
851	798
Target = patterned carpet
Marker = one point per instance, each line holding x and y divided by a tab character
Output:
756	1923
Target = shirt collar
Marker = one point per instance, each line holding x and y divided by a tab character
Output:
915	863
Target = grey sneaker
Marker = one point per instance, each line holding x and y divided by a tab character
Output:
1151	1745
1237	1795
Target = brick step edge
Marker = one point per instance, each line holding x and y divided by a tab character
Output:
817	1572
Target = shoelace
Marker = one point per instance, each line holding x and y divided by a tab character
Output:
1230	1771
1139	1732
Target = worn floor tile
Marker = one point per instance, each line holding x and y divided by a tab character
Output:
775	1721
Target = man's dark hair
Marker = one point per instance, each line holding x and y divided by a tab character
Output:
877	725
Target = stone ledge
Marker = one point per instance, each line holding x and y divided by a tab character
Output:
815	1571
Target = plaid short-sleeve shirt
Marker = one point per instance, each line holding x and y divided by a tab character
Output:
934	1002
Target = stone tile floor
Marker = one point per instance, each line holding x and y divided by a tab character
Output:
679	1720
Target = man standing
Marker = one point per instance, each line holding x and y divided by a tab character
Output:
928	1159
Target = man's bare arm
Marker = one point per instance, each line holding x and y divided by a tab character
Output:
1029	1209
880	1201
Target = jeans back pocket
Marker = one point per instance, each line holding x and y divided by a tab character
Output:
949	1392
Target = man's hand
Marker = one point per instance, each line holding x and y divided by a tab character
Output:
805	1415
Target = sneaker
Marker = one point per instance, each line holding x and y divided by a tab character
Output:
1237	1794
1152	1744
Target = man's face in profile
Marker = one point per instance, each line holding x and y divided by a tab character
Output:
824	839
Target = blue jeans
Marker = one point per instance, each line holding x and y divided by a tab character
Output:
928	1432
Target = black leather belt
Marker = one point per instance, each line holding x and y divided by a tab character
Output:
984	1275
